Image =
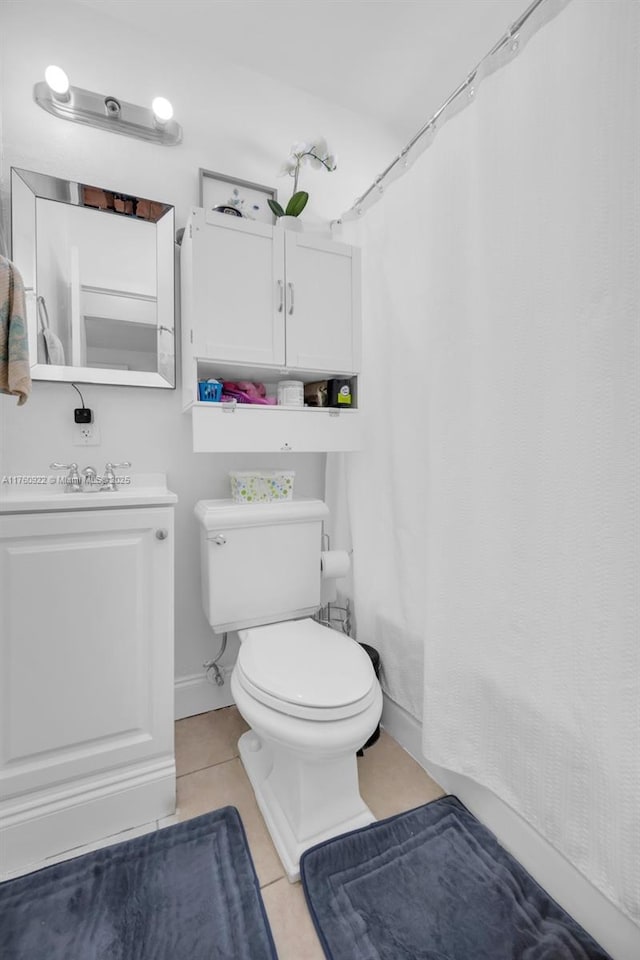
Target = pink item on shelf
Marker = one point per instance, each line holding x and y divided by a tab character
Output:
245	392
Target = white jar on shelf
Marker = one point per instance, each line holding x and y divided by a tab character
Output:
291	393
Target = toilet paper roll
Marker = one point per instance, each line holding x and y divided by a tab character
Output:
334	564
328	592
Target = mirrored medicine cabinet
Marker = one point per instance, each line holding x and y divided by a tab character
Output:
98	270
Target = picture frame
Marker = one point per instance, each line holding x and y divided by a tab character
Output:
218	190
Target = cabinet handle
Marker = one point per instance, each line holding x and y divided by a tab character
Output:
281	291
162	534
290	285
220	540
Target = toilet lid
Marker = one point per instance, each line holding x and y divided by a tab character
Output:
306	665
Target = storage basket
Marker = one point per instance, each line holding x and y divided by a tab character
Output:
209	391
261	486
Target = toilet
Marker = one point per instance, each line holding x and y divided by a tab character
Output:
309	693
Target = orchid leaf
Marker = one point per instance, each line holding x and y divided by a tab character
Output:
276	208
297	204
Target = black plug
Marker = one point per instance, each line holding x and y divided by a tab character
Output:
82	414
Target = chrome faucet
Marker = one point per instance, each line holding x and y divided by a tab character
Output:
108	476
73	483
89	476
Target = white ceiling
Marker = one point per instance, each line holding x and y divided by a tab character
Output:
394	61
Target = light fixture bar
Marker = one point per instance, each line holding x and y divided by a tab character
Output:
108	113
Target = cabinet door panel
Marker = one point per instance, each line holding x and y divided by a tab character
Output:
322	304
238	275
86	655
263	429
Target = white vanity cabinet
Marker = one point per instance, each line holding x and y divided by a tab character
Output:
266	304
86	659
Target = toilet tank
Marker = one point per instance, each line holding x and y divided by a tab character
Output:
260	563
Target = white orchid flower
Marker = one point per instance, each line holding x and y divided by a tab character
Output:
315	153
299	149
288	168
320	148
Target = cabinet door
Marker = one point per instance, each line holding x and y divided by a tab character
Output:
322	304
86	654
266	429
238	295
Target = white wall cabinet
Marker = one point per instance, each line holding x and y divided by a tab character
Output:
86	657
321	303
264	295
267	304
235	274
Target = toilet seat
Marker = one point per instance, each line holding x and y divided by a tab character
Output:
305	670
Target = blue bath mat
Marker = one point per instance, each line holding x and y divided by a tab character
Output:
433	884
188	892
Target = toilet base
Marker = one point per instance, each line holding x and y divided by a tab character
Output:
258	762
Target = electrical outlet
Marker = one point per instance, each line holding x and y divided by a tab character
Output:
86	435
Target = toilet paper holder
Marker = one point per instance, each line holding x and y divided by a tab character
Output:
326	544
334	564
332	614
336	616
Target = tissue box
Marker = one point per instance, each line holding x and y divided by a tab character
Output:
261	486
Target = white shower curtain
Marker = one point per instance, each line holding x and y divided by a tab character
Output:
494	509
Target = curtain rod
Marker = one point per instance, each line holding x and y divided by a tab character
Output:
537	15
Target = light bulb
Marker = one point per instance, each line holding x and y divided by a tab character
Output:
162	109
57	81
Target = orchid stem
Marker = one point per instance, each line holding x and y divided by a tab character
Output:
300	157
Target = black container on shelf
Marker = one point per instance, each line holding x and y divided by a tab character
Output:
340	393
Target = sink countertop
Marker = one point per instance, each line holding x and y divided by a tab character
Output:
32	496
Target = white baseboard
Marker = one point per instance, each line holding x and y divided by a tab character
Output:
195	694
603	920
59	819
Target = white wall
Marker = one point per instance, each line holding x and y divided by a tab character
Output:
235	122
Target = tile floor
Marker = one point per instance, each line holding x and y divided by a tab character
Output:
210	775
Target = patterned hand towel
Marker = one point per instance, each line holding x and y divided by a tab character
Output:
15	371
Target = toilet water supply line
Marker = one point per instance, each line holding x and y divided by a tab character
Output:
211	666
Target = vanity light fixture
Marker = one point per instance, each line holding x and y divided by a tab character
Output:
162	110
56	96
58	82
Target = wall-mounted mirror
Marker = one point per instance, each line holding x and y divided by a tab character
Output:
98	270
